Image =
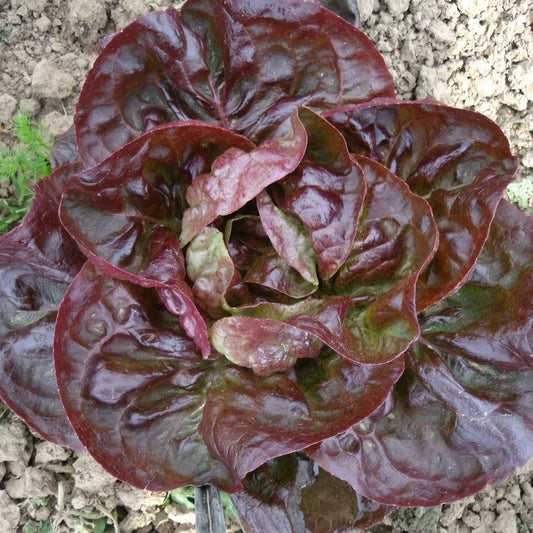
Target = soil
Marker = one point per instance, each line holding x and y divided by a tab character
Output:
475	54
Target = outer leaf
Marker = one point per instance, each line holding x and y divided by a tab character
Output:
133	385
125	213
291	494
264	61
453	427
249	419
65	149
38	260
459	160
500	333
461	416
237	177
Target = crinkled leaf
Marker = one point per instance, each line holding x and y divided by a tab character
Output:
289	237
38	260
271	271
133	385
375	320
461	416
246	239
264	345
125	213
325	193
457	159
129	378
452	427
293	495
243	66
237	177
490	320
211	269
249	419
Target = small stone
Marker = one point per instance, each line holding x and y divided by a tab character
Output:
14	443
8	106
36	6
505	523
43	24
441	31
503	505
34	483
521	78
10	515
87	20
487	517
472	8
471	519
397	7
432	84
48	81
513	494
366	8
89	475
2	471
46	452
138	499
30	105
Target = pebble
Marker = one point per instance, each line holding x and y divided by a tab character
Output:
48	81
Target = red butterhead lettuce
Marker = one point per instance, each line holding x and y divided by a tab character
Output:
268	274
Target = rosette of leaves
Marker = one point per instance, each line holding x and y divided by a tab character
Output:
254	267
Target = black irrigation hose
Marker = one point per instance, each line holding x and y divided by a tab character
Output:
209	511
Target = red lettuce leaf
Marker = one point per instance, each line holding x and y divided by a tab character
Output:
289	237
237	177
500	333
293	495
271	271
249	419
133	385
451	427
65	149
129	377
38	260
325	193
461	416
458	160
211	269
265	345
246	67
125	213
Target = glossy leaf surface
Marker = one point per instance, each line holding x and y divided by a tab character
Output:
232	63
456	159
37	262
460	417
127	371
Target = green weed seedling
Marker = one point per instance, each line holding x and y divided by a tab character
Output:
22	167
